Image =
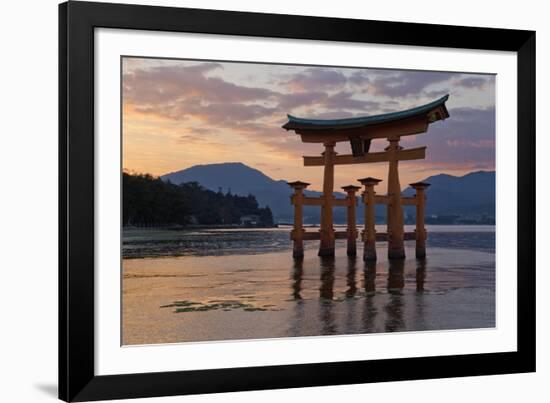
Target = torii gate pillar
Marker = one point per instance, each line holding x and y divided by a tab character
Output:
326	246
396	232
297	234
351	219
420	230
369	233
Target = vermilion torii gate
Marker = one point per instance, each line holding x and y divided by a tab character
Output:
360	132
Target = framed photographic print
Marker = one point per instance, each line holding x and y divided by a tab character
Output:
258	201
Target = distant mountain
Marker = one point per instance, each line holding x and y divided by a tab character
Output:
243	180
469	195
234	176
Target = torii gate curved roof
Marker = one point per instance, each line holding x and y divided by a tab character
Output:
433	111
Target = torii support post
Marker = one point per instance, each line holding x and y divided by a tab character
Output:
326	246
297	234
420	187
351	219
369	233
396	245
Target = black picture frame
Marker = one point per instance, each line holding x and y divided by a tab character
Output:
77	379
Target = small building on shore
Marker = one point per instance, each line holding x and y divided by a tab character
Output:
251	220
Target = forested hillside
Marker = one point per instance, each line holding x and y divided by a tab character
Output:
150	202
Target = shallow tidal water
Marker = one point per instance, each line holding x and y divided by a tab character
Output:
248	295
140	243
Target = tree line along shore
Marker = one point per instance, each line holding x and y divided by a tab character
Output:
149	201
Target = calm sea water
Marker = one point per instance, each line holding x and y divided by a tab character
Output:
220	284
147	243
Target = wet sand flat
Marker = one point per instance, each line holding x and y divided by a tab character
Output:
200	298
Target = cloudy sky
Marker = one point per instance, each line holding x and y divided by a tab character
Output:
179	113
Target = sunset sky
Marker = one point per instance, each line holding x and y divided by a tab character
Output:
179	113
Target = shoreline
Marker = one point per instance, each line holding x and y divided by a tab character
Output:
177	227
138	243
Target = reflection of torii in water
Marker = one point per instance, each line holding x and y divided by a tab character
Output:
360	132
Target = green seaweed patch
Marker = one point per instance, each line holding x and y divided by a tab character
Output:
192	306
253	309
180	304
